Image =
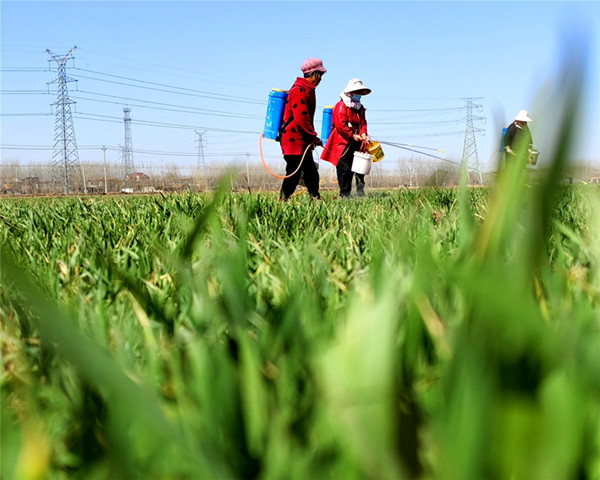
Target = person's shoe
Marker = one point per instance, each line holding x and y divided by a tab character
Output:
360	189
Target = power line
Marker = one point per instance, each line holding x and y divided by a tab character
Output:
185	92
107	118
412	113
139	151
224	97
418	124
440	134
156	68
420	110
181	90
24	92
22	69
129	100
178	108
47	147
47	114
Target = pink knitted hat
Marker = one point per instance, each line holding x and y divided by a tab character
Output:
313	65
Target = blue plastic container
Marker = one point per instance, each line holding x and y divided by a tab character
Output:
327	123
275	108
502	139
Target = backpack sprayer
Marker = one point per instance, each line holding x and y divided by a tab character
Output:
361	162
274	127
327	124
532	152
274	118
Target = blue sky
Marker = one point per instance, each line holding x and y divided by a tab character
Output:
187	66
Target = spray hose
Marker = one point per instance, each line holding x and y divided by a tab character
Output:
405	146
281	177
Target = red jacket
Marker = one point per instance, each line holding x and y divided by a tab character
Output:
298	118
346	122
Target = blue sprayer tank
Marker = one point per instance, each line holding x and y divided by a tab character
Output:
327	123
275	108
502	139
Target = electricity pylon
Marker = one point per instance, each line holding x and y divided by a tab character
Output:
200	150
470	159
65	159
201	160
128	148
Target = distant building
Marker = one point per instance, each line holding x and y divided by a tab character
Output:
97	185
11	186
137	176
30	185
138	182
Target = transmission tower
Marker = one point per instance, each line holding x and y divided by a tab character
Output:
65	159
200	149
201	160
470	158
128	148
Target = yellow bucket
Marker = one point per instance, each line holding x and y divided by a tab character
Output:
374	148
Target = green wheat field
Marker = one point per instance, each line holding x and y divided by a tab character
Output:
432	333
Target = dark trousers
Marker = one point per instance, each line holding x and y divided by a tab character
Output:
308	168
345	173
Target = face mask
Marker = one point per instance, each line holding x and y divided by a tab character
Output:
356	98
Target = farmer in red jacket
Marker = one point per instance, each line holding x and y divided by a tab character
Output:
349	132
298	135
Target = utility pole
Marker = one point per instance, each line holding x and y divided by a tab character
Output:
470	158
65	158
248	169
105	187
83	178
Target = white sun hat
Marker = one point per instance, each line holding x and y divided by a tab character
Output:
522	116
356	86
